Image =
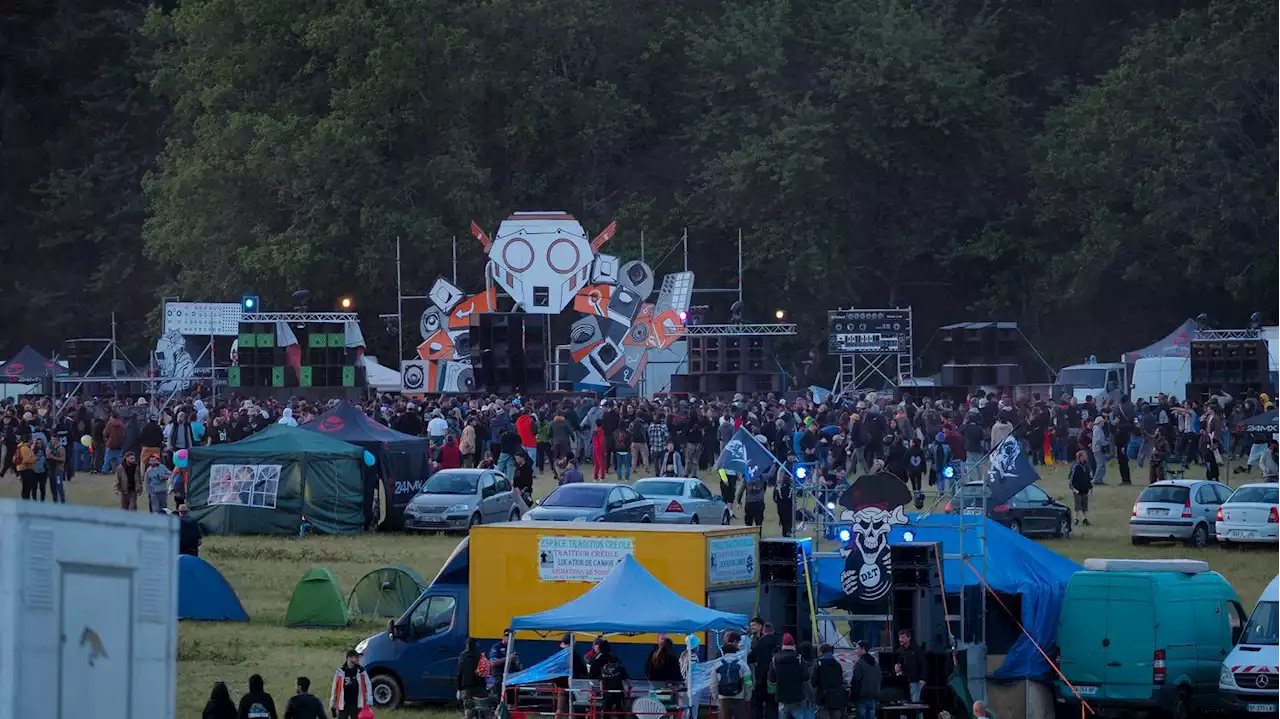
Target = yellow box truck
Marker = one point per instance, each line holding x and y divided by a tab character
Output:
506	570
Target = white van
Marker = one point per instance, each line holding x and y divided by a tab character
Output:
1152	376
1250	677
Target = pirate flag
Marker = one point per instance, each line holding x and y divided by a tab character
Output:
873	504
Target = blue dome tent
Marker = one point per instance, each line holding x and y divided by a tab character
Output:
204	594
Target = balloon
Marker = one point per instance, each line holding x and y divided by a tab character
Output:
693	641
86	441
369	459
180	458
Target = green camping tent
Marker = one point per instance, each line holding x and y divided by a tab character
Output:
268	482
385	592
317	601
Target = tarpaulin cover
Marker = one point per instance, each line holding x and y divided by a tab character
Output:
1175	344
321	479
1014	565
401	458
1264	423
553	667
630	600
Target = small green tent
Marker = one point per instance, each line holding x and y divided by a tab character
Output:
317	601
267	482
385	592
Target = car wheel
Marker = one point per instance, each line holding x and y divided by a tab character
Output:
386	691
693	519
475	519
515	516
645	520
727	519
1199	536
1064	528
1015	526
1138	541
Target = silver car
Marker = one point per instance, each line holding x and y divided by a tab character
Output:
1252	515
683	501
1180	510
458	499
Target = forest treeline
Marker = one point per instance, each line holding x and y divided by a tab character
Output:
1096	171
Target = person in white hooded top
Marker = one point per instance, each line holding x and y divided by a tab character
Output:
286	418
202	412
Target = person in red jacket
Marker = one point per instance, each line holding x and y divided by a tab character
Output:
598	465
449	456
527	428
350	690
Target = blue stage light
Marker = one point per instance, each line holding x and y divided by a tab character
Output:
908	537
801	472
844	535
948	471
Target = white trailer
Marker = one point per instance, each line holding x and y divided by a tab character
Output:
88	612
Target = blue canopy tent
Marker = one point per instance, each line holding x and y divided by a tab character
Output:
204	594
1014	565
630	600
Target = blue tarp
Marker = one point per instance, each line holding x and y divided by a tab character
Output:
1015	565
630	600
553	667
204	594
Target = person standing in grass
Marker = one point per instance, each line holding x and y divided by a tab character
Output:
350	692
257	703
1081	485
219	705
128	482
157	478
304	704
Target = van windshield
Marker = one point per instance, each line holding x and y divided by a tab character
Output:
1263	627
1088	378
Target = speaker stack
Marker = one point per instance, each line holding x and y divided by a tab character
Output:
324	361
917	594
730	363
784	598
79	356
508	352
981	353
1233	365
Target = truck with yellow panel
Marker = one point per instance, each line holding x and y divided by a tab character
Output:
506	570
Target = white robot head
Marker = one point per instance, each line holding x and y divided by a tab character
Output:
541	259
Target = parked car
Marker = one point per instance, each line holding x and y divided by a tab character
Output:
1146	637
1251	514
1177	510
458	499
1249	678
594	502
683	501
1030	512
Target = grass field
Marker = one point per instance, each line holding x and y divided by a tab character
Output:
263	571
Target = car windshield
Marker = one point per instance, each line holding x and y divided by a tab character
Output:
1263	625
451	483
1083	377
1165	494
576	496
660	488
1263	495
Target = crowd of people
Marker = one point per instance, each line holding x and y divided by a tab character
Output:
349	698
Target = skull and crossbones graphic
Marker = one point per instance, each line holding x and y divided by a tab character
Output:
872	506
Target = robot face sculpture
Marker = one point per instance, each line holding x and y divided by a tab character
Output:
541	259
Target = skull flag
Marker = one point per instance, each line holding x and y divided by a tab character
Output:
873	504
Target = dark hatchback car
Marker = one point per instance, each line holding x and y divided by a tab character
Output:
594	502
1030	512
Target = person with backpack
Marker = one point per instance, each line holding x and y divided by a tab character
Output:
827	679
730	686
614	686
941	460
622	455
787	678
751	499
865	684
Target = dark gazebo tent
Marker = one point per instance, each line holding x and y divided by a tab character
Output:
401	458
29	367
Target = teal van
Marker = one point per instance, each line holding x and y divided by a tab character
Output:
1146	636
